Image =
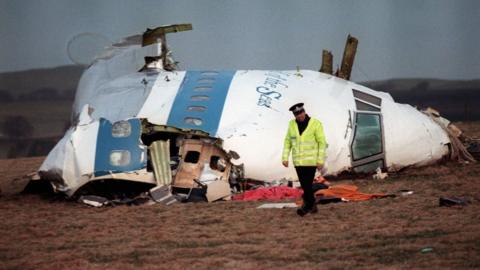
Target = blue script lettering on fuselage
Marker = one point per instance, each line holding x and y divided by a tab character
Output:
275	82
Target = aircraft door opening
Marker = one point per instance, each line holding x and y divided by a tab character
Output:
367	145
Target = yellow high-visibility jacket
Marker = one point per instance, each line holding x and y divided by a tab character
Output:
307	149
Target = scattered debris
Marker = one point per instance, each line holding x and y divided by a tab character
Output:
458	151
379	175
474	148
426	250
281	182
329	199
218	190
162	194
452	201
33	176
294	184
405	192
318	186
93	200
237	174
277	205
250	184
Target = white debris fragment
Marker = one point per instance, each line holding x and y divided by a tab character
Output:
162	194
379	174
277	205
92	200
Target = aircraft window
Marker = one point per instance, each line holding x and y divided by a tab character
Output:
210	73
120	158
193	121
362	106
199	98
367	97
367	140
192	157
217	164
121	129
369	167
202	88
196	108
206	80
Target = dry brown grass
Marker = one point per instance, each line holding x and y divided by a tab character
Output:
38	232
471	129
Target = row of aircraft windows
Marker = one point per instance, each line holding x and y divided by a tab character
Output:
207	80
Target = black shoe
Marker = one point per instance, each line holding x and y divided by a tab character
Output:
301	211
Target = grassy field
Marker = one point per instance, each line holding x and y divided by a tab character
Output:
411	231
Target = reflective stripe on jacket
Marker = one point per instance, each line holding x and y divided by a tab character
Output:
307	149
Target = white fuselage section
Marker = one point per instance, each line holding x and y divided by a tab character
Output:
252	118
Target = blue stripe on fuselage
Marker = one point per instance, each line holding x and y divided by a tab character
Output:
200	99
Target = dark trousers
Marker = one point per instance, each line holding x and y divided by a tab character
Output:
306	175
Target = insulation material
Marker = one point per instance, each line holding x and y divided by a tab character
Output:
160	156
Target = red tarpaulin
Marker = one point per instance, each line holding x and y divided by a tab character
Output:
269	193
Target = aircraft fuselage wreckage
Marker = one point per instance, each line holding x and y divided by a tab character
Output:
138	119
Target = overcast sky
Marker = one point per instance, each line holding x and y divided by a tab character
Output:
397	38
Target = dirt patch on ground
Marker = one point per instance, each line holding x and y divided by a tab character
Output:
14	173
412	231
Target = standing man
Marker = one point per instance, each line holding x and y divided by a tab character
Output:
306	140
